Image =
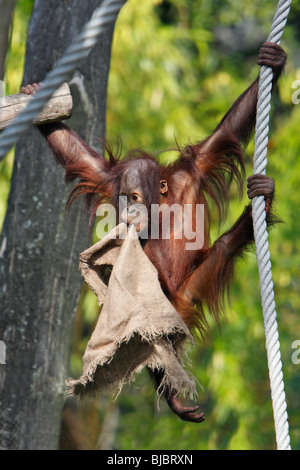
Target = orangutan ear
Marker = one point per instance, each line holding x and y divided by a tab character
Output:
163	187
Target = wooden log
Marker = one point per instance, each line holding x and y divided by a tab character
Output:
59	107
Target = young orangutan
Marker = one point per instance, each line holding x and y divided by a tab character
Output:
191	279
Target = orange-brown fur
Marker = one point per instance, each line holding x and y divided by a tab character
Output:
190	279
179	270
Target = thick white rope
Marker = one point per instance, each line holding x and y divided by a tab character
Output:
103	17
261	239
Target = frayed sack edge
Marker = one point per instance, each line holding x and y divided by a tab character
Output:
80	387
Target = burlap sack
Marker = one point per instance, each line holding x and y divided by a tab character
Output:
137	326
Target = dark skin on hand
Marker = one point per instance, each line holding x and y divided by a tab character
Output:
191	279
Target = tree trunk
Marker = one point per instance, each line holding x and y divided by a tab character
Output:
6	9
40	244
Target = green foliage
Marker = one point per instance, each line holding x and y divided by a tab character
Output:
176	68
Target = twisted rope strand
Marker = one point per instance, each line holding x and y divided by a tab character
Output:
262	244
102	18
